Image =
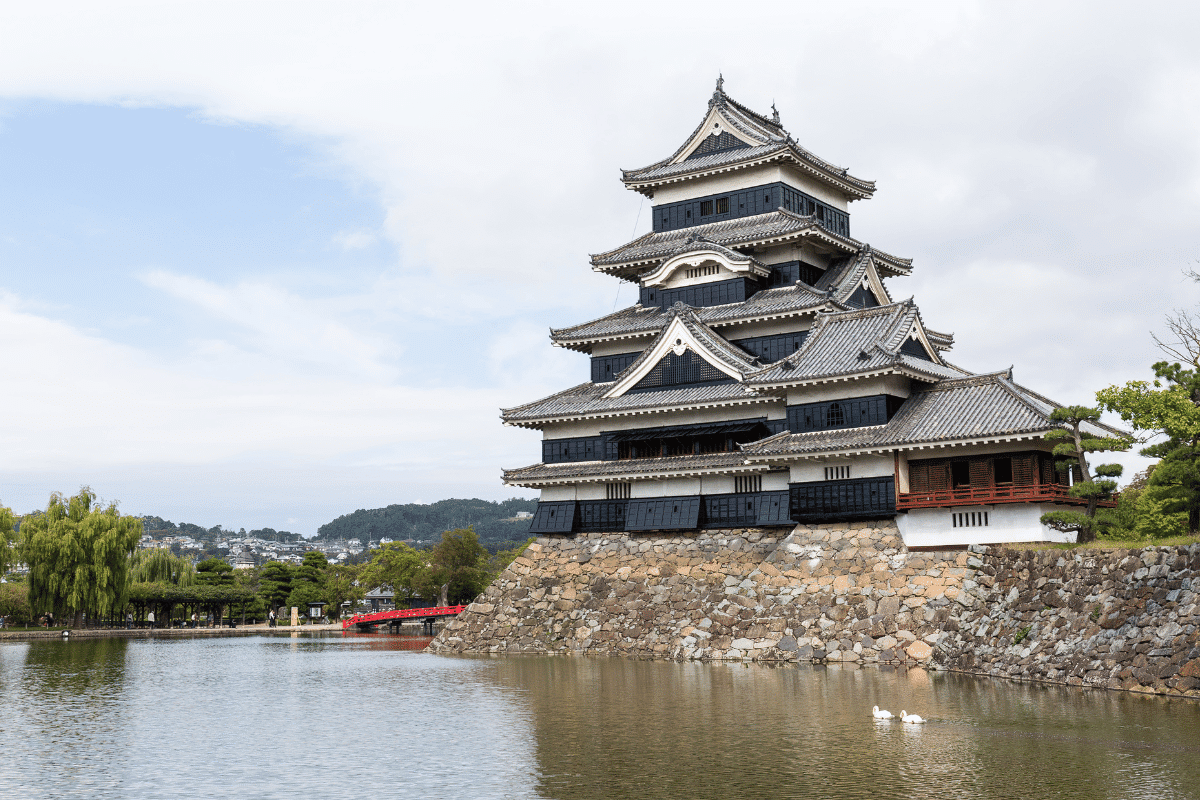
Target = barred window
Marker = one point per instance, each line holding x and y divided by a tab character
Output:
706	208
837	473
969	519
617	491
746	484
834	415
722	205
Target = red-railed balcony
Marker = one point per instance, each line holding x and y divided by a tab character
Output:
993	495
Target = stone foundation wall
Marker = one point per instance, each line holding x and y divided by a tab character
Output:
849	592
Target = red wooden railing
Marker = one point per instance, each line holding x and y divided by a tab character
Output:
992	495
379	617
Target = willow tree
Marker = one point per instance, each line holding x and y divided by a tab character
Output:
160	565
7	530
78	556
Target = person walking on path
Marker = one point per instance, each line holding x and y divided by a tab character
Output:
271	619
150	619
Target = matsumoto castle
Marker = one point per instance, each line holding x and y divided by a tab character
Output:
766	377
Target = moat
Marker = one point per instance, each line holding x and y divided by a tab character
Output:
372	715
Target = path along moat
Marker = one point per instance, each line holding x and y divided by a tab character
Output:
353	716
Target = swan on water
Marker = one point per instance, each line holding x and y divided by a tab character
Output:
911	718
885	714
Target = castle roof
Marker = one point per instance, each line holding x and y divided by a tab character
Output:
774	227
732	137
972	408
633	468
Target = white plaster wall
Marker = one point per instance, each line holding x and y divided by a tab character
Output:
680	486
773	481
860	467
565	492
571	428
716	484
634	345
1012	522
647	489
591	491
769	328
896	385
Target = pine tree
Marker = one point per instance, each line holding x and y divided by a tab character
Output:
1075	441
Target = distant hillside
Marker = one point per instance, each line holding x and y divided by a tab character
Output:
493	522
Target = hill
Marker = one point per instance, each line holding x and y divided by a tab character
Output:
493	522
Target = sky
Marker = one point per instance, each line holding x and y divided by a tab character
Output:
263	264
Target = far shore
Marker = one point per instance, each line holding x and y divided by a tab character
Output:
20	634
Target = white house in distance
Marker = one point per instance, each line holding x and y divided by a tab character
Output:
767	377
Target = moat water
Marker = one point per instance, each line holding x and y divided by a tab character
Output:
362	716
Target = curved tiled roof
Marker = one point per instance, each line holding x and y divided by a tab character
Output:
679	466
638	320
587	400
769	141
771	227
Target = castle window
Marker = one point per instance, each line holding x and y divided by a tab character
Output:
617	491
1004	470
834	416
837	473
960	474
722	205
746	484
706	208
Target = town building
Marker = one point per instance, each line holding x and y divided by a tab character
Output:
767	377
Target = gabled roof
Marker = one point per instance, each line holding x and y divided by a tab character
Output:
696	249
864	342
774	227
684	330
759	140
973	408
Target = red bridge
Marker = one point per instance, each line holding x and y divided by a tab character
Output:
427	616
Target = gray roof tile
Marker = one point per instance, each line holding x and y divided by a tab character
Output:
588	399
629	467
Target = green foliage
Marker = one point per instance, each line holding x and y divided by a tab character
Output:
1022	634
7	536
312	568
503	558
78	556
492	522
341	584
275	582
14	603
1075	441
160	565
1168	407
399	566
460	563
303	593
214	572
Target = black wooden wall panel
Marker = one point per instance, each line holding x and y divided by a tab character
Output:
747	203
774	508
831	501
701	295
726	510
583	448
851	413
787	273
914	348
555	517
606	368
862	297
688	369
717	144
599	516
664	514
772	348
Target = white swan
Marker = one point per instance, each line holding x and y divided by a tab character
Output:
885	714
910	718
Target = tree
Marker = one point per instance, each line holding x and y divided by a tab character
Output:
78	556
1167	407
307	581
1075	441
160	565
341	584
459	566
214	572
275	583
399	566
7	533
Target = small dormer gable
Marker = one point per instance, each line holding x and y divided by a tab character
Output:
686	353
699	260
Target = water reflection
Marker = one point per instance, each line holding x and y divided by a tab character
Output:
353	716
610	728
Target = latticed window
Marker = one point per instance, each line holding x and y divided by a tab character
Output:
837	473
674	370
834	415
745	484
617	491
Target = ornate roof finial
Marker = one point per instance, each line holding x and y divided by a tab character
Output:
774	113
720	83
